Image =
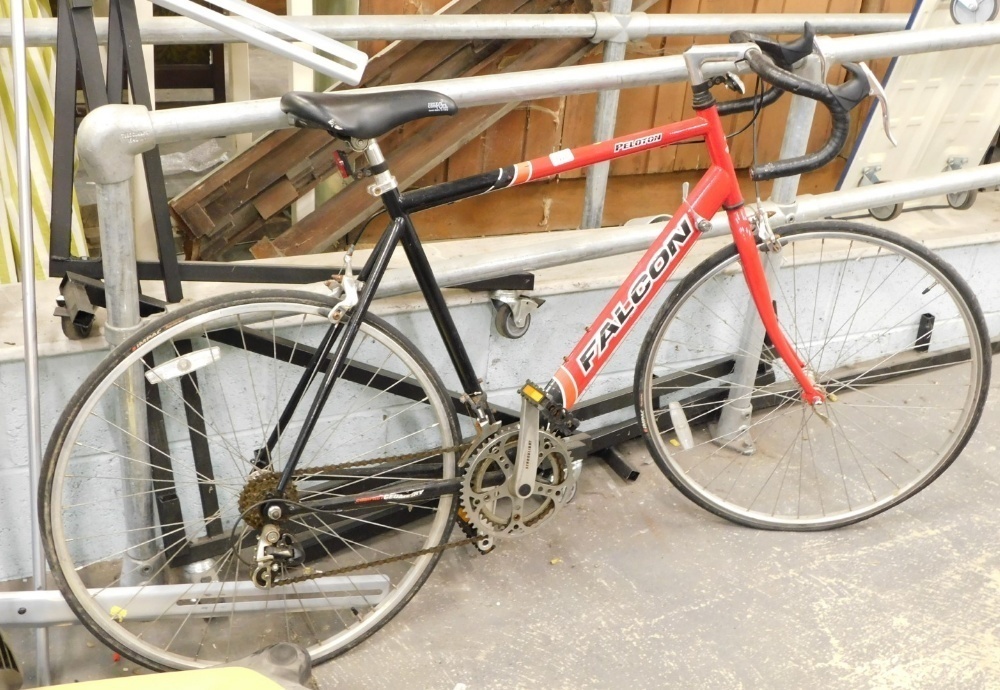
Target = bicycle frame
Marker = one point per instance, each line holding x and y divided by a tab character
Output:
718	188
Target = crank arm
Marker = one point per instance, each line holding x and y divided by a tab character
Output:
526	466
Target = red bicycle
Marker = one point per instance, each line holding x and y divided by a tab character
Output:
292	465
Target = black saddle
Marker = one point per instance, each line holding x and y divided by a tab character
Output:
364	115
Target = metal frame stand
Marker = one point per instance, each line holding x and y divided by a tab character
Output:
605	117
77	49
75	33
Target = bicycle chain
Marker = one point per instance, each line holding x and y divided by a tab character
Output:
372	564
257	487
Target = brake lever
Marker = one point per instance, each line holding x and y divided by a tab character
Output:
734	83
875	88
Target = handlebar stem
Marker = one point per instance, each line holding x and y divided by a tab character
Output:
697	56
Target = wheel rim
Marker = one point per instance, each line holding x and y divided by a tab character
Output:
760	489
416	422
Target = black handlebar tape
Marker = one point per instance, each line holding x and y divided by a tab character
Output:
748	103
787	81
784	54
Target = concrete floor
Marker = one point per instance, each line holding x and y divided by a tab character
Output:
633	586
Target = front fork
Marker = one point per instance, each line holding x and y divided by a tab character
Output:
758	267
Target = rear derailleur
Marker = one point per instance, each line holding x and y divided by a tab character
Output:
277	552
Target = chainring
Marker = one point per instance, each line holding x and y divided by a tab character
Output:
488	498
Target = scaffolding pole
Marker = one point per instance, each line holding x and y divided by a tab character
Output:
594	26
25	221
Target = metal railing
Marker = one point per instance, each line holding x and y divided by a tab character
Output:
596	26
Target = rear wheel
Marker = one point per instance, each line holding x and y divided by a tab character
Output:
890	331
153	485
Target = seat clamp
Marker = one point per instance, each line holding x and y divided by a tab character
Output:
384	181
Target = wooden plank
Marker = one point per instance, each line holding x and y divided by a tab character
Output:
578	122
672	100
379	71
304	140
393	7
321	229
266	163
234	167
504	141
544	125
636	112
468	158
482	152
275	198
380	62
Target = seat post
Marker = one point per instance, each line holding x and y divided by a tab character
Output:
384	180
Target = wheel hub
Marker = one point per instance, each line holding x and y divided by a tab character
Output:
260	487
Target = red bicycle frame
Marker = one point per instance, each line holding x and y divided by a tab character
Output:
718	188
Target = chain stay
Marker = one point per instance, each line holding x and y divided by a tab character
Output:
395	459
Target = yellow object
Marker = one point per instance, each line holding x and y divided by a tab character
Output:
40	64
118	613
207	679
532	393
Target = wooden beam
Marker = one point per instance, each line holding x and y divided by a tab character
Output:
222	210
410	161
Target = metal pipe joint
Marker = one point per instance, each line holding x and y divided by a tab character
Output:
110	137
619	28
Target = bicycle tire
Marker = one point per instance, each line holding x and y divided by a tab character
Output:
898	379
256	342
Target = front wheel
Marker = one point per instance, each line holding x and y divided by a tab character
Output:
892	334
154	485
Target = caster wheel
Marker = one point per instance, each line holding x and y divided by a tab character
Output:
505	324
74	331
884	213
961	201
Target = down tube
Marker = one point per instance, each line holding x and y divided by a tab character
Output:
639	289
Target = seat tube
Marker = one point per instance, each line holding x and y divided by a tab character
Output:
435	300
